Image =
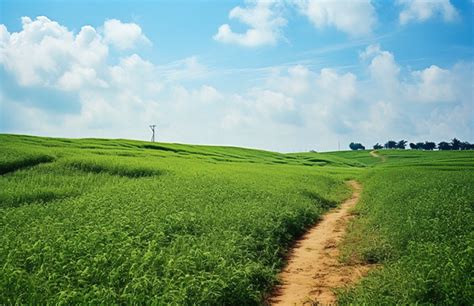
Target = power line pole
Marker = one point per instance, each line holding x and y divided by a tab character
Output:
152	127
338	145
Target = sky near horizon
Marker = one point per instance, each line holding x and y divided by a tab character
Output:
278	75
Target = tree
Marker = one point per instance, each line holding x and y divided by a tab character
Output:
391	144
466	146
377	146
356	146
429	145
443	145
413	146
420	145
402	144
456	144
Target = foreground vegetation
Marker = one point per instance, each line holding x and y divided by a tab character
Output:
99	221
416	217
120	221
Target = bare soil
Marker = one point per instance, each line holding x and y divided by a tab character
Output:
314	270
375	154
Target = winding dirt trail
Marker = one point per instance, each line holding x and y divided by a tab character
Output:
375	154
313	268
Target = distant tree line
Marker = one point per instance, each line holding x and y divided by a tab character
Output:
454	144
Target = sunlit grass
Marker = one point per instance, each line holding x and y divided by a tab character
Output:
117	221
121	221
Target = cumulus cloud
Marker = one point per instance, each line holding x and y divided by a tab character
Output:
411	104
390	101
46	68
63	84
295	80
434	84
52	45
45	53
264	20
422	10
78	77
123	36
341	87
382	67
356	18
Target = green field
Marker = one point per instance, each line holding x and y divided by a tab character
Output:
121	221
416	218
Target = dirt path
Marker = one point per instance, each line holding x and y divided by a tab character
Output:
313	269
375	154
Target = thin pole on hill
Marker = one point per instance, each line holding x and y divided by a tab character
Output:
152	127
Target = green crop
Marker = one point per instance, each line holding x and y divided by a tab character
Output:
99	221
416	217
132	222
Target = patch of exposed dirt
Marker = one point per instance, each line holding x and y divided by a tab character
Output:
377	155
314	270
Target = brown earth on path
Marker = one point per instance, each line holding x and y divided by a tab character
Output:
313	269
375	154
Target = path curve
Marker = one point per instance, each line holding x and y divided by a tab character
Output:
377	155
313	268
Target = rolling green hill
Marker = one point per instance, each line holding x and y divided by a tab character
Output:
122	221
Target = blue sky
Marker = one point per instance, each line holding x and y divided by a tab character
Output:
279	75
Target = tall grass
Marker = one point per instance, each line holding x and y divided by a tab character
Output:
154	226
98	221
419	223
12	159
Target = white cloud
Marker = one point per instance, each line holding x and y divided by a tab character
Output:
383	68
422	10
52	45
78	77
45	53
387	103
185	69
207	94
339	87
123	36
268	102
263	19
434	84
185	100
136	75
234	118
4	38
295	82
292	108
46	57
356	18
89	49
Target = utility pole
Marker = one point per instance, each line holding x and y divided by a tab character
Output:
338	145
152	127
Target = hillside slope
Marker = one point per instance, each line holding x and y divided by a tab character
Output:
122	221
100	221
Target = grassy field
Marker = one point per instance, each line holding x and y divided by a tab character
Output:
125	221
121	221
416	218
